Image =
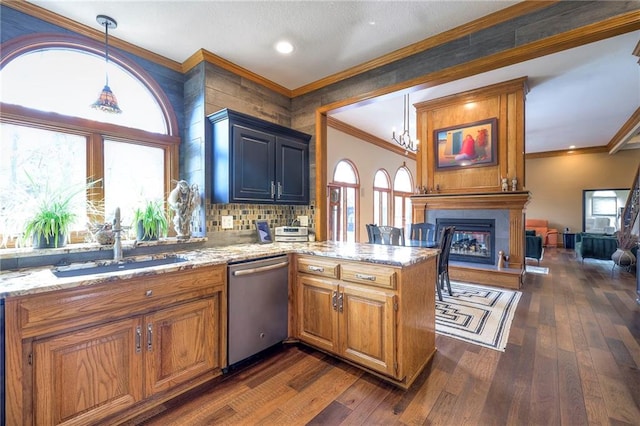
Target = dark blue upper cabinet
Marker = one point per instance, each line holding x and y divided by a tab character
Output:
255	161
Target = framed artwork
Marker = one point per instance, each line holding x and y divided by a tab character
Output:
264	233
466	145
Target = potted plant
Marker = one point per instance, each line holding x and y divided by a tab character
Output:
49	226
52	214
150	221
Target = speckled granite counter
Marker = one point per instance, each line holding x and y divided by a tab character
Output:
40	280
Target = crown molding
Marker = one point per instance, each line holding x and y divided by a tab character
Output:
368	137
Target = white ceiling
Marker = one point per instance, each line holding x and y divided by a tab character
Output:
580	97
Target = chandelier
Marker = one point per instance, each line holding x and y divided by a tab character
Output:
404	138
107	101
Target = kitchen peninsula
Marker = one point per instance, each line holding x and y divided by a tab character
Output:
104	347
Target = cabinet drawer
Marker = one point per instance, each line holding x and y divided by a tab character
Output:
379	276
50	312
317	266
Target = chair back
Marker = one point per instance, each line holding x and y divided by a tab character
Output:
423	231
446	237
392	236
373	233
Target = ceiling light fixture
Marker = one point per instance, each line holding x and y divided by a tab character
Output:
107	101
404	139
284	47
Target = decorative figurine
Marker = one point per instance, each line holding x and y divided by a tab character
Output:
514	184
505	185
184	200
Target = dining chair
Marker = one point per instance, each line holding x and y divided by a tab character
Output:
446	236
390	235
422	232
373	233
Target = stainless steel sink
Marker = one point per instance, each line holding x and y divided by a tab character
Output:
125	265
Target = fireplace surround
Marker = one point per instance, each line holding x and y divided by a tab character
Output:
508	210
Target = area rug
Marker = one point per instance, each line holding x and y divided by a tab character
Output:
477	314
537	269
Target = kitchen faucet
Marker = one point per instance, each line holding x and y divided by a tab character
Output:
117	243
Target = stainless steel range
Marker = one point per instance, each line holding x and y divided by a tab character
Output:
258	306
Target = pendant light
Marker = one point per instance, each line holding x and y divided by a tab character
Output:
107	101
404	139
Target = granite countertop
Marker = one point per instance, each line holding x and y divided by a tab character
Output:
39	280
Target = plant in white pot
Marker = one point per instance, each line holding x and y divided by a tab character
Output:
150	221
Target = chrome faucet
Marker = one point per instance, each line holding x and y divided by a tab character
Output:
117	243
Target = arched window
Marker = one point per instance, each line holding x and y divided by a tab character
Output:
343	203
52	140
402	190
381	197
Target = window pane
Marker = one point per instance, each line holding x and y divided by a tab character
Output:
44	80
351	214
381	180
36	164
402	181
398	203
133	174
344	173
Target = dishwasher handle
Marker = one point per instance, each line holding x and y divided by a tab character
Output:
250	271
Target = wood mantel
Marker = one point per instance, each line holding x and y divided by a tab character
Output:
515	202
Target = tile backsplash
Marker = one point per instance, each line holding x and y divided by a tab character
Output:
245	215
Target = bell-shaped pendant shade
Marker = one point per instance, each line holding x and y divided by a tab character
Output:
107	101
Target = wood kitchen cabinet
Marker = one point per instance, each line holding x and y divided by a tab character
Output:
255	161
381	318
104	353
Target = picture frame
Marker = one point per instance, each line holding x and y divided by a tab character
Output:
466	145
263	231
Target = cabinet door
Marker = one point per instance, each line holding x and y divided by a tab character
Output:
253	174
86	375
318	319
181	343
367	328
292	171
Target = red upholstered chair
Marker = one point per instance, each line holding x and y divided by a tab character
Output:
541	226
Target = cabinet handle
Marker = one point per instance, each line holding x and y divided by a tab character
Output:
341	302
138	339
273	189
315	268
149	337
334	300
366	277
279	190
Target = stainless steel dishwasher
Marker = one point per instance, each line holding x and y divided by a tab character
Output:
258	306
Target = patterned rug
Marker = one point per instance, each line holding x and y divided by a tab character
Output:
477	314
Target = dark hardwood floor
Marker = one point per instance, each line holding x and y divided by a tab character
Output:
573	358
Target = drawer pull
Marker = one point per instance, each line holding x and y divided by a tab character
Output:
138	339
315	268
366	277
149	293
149	337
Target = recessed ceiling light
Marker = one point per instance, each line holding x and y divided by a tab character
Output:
572	147
284	47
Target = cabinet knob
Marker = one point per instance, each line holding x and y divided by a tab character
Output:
149	293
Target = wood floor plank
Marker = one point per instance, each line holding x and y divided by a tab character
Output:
572	410
573	358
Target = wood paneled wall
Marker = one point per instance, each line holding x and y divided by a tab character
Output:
504	101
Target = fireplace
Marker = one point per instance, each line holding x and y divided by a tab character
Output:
474	240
